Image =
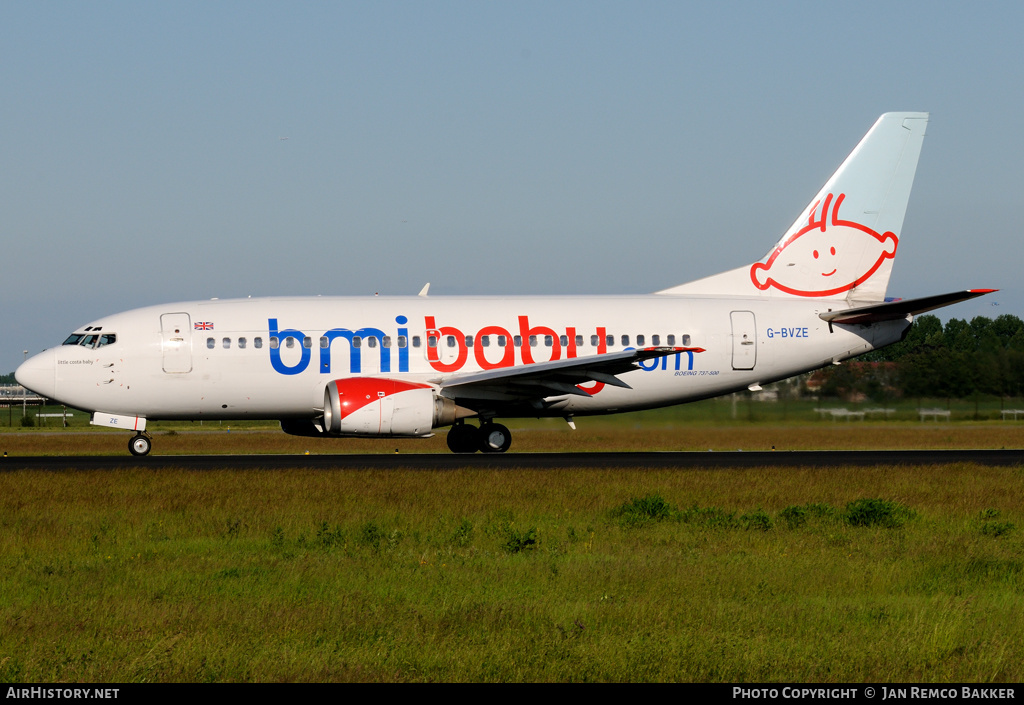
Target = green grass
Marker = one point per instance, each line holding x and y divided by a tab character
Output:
574	575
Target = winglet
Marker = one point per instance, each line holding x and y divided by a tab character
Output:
423	291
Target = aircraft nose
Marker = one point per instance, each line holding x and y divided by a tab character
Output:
39	373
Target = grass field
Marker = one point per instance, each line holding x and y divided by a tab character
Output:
589	575
837	575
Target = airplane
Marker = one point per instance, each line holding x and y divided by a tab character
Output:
404	366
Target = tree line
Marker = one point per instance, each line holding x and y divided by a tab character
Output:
959	360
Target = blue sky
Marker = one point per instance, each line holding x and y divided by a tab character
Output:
489	148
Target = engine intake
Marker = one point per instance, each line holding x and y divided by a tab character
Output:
374	406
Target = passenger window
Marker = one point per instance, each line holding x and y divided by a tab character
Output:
324	342
655	340
610	341
415	341
485	341
432	341
686	341
386	341
403	342
625	340
640	339
579	341
211	343
226	343
451	341
289	342
241	343
595	341
533	341
469	341
564	340
517	341
672	339
357	341
501	341
549	340
257	342
371	342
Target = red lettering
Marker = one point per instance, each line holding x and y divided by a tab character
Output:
526	332
602	348
508	357
570	349
432	354
508	350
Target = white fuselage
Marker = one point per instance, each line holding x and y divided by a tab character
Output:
271	358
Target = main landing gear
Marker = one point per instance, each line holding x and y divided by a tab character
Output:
140	444
490	437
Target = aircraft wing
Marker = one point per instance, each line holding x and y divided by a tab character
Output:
898	309
545	379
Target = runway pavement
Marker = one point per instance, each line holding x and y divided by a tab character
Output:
513	461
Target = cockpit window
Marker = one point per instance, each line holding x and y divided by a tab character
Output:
91	340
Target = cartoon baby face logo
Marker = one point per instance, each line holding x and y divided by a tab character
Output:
826	257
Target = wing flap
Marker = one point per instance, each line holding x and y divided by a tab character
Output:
558	377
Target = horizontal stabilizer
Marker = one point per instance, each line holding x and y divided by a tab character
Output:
899	309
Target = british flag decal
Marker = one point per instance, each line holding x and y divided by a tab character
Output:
204	325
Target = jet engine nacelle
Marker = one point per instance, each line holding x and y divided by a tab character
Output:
371	406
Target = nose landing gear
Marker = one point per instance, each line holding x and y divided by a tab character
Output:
140	444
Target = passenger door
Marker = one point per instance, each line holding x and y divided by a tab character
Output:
176	342
744	340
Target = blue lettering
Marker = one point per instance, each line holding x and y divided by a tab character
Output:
403	350
664	361
385	353
275	352
355	364
355	361
787	333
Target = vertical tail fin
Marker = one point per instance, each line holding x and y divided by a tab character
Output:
844	242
